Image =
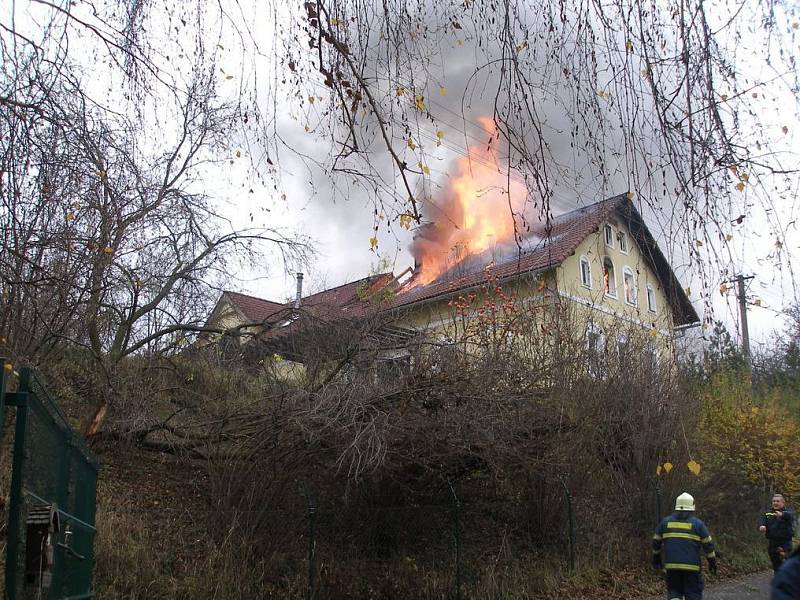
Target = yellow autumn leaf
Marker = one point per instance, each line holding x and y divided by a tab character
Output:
311	99
426	170
70	217
723	289
439	134
411	144
603	94
108	250
630	195
754	410
373	242
629	45
694	468
734	169
740	186
8	367
653	332
401	91
419	102
442	91
667	467
698	243
745	177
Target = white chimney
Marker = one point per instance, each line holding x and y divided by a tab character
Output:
299	291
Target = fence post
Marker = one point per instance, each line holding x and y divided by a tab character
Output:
14	543
311	512
571	517
457	538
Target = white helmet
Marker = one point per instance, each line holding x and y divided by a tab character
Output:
684	502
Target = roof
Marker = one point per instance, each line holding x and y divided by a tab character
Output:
545	247
548	245
255	310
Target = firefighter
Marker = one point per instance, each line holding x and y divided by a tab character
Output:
677	545
777	525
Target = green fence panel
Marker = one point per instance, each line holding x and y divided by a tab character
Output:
53	493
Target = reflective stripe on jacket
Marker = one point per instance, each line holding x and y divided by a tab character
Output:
680	539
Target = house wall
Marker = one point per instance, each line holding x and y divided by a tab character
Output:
606	310
439	315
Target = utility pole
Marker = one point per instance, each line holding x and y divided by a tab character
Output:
740	279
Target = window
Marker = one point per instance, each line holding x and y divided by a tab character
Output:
623	242
651	298
596	349
586	272
609	233
622	345
393	367
609	278
629	281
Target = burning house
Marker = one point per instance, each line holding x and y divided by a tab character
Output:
602	259
481	252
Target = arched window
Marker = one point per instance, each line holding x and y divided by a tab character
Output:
609	278
629	282
586	272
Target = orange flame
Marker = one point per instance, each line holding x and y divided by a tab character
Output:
471	215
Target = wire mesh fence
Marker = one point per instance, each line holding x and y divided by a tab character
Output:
51	524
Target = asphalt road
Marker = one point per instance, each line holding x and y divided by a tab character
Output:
752	587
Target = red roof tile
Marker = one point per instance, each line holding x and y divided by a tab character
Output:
256	310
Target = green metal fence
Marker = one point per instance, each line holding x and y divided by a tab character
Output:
51	522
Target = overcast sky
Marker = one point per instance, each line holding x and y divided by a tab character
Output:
340	218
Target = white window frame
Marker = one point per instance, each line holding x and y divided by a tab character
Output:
652	305
596	350
622	238
585	260
610	290
634	297
608	235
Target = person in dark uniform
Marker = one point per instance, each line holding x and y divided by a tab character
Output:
786	583
778	525
678	543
